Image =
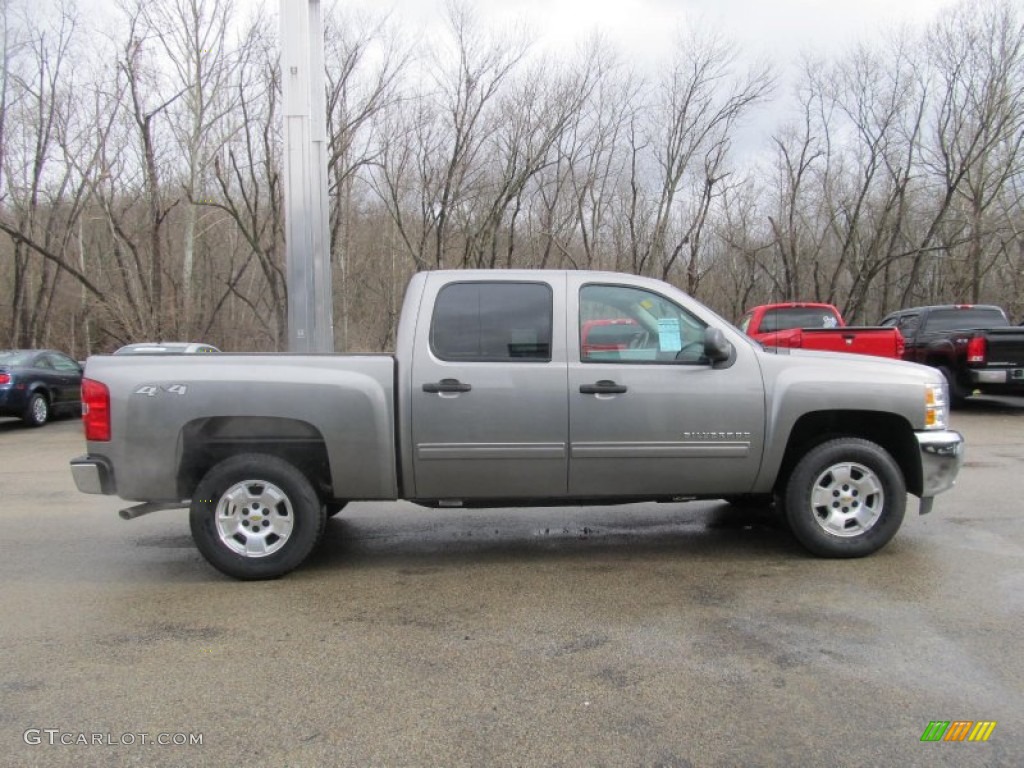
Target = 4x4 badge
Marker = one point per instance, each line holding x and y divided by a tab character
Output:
151	391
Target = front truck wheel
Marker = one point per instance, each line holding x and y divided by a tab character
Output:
255	516
845	498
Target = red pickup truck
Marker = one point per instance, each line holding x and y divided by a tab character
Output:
808	325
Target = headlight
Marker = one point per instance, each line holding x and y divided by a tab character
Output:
936	405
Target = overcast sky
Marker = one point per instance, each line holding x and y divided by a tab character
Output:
776	28
644	31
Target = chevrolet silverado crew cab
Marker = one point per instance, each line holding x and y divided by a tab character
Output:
493	399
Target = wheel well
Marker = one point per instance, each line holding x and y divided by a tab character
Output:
892	432
40	389
207	442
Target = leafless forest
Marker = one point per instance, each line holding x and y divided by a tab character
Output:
140	162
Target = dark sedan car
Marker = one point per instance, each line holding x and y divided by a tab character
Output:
38	383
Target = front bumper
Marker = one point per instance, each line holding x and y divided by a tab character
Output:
93	474
942	455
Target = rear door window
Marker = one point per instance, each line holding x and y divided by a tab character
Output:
492	322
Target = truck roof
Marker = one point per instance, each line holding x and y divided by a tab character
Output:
931	307
794	305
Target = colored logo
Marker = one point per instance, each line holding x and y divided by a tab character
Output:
958	730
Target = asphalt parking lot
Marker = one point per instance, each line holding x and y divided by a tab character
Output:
641	635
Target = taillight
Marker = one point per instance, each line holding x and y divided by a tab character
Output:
977	350
901	345
5	378
96	410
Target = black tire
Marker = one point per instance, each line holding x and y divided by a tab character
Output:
845	498
957	395
37	412
255	516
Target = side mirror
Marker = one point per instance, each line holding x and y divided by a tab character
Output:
717	348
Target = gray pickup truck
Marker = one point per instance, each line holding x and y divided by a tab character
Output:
516	388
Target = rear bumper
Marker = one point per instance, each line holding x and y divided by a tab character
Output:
997	378
13	401
942	455
93	474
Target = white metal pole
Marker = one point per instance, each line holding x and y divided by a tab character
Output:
310	322
323	293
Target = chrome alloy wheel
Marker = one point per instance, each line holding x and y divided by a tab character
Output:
847	499
254	518
40	410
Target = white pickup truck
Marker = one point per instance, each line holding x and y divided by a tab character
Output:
495	398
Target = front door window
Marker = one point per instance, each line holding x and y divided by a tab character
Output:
619	324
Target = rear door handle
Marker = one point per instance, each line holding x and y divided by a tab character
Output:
603	387
446	385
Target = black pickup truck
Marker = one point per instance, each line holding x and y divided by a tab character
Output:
973	345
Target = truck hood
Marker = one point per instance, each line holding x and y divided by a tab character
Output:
841	361
821	381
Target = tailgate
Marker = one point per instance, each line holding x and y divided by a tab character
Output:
881	342
1005	346
1005	349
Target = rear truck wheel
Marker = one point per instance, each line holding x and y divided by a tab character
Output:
845	498
37	412
957	394
255	516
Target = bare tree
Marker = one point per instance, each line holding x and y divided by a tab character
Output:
44	194
695	108
444	136
867	195
590	164
193	37
365	64
975	57
249	183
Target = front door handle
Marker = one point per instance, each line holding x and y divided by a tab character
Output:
446	385
603	387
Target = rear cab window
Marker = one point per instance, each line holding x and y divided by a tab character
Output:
787	318
965	319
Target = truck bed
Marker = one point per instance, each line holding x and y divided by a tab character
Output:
350	399
863	340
